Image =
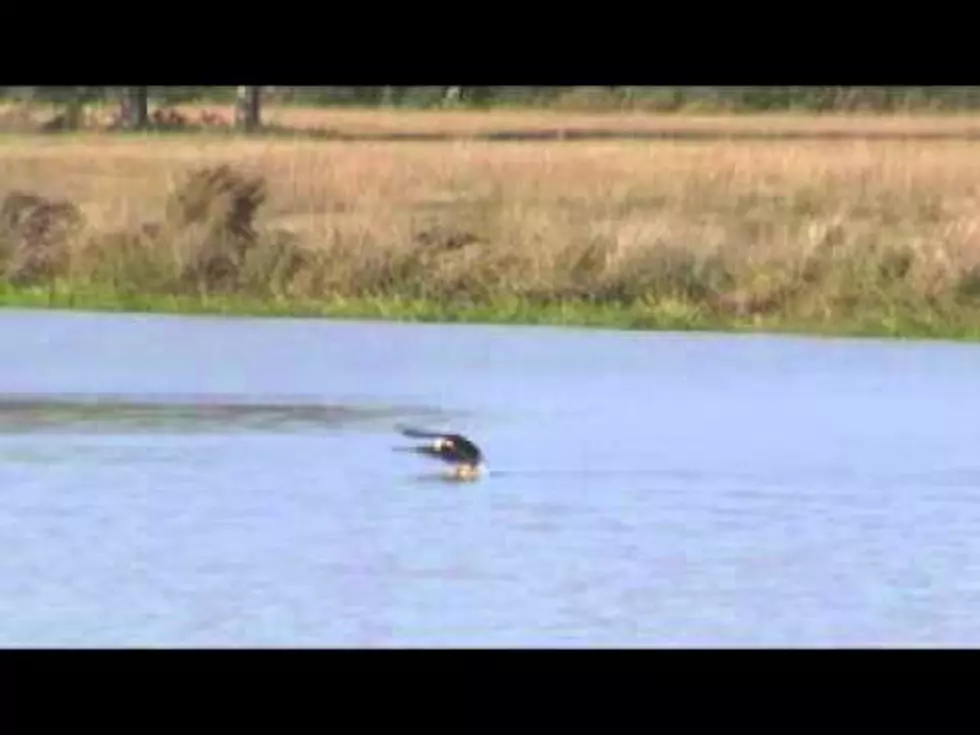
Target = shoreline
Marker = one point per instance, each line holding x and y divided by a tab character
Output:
650	317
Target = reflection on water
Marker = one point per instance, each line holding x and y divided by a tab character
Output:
191	414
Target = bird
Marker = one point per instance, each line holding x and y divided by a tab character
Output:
455	449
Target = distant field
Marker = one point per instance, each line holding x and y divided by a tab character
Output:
354	122
767	233
468	122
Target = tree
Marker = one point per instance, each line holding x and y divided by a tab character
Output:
134	112
247	108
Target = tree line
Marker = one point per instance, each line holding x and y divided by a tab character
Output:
134	102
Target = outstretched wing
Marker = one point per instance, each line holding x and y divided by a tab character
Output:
433	449
420	433
425	450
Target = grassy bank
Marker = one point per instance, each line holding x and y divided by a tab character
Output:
856	237
650	314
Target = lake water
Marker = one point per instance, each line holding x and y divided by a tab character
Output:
196	481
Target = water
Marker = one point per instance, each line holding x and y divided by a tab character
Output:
190	481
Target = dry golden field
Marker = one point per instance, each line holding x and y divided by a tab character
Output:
809	229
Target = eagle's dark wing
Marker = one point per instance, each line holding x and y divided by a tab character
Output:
421	433
428	449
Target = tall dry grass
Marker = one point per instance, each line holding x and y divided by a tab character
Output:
809	230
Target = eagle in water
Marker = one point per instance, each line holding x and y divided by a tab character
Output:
454	449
